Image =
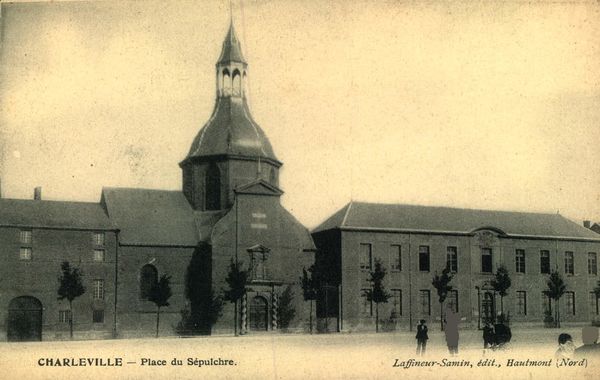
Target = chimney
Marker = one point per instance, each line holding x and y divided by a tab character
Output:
586	224
37	193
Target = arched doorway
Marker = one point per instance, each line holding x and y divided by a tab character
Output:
487	307
24	322
259	314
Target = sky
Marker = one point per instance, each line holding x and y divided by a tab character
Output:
492	105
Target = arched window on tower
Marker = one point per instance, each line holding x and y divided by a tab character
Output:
226	85
148	277
237	83
213	188
273	177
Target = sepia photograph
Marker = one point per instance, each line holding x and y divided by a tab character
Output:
282	189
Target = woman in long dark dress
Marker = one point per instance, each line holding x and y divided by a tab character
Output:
451	331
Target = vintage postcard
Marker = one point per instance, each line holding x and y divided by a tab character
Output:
299	189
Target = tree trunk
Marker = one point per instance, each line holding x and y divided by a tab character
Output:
157	319
558	312
326	310
71	319
310	317
235	318
376	317
441	316
502	305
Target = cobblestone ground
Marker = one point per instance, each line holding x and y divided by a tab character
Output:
334	356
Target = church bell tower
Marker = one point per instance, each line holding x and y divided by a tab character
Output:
231	150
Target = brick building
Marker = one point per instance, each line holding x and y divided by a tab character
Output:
229	211
414	242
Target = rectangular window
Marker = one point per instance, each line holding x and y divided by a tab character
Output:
424	258
63	316
521	303
98	255
98	289
366	257
594	304
452	300
25	237
486	260
592	263
546	305
569	266
98	239
395	258
520	261
452	259
570	303
544	261
98	316
25	253
365	304
397	301
425	299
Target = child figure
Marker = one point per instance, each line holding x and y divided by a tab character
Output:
566	348
488	336
421	337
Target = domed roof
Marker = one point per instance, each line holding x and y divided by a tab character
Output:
231	130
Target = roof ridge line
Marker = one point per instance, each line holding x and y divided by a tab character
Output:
207	124
346	214
460	208
246	110
139	189
50	201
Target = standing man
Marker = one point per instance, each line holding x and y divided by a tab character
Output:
421	337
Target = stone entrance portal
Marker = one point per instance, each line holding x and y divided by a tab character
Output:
24	320
259	314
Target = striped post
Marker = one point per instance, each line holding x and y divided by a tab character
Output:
275	310
244	313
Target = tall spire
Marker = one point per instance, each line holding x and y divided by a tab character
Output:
231	141
231	67
232	49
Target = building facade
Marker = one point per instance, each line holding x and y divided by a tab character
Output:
413	243
228	213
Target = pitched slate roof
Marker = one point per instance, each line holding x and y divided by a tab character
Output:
53	214
205	221
151	217
375	216
303	235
